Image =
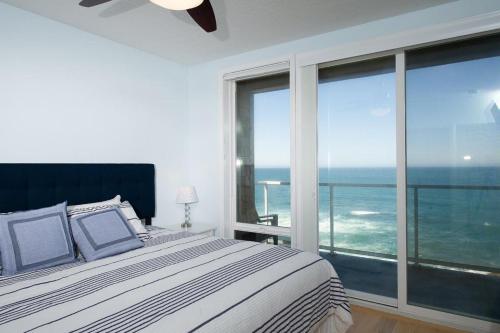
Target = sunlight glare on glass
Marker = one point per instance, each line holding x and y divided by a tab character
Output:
467	157
496	98
238	162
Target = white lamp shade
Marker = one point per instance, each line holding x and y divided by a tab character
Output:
186	194
177	4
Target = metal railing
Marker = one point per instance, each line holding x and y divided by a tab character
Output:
416	258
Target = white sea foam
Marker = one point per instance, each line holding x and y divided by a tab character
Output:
363	212
360	234
355	226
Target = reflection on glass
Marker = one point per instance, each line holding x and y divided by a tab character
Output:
263	150
453	177
357	173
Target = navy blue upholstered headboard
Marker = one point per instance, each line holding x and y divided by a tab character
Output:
32	186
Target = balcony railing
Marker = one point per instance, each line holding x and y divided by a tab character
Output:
416	258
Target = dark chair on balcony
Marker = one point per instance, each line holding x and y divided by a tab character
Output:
270	219
247	210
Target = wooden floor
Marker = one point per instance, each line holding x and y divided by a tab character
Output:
372	321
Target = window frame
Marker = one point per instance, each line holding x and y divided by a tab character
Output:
229	79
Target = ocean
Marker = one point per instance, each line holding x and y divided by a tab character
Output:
455	225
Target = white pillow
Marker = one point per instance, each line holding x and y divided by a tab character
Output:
134	221
90	207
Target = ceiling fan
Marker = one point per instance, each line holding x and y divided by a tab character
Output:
200	10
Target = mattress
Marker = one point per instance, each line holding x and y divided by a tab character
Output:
180	282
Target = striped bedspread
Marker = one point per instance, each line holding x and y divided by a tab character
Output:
180	283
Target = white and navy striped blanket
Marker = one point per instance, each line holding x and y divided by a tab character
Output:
180	283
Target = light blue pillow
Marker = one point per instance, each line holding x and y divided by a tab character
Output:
104	233
35	239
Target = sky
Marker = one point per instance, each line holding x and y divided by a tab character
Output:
450	114
357	122
272	129
450	119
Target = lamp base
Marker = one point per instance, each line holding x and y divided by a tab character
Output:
186	225
187	217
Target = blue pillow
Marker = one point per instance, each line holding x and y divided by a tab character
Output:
104	233
35	239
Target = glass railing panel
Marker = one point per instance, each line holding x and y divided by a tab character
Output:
364	217
272	194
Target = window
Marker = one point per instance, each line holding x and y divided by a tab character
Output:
263	151
357	173
453	177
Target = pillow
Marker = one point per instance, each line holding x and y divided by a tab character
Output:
0	255
104	233
90	207
126	209
134	221
35	239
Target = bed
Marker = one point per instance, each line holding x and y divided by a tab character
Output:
178	282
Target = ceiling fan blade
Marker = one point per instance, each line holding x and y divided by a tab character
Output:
204	16
92	3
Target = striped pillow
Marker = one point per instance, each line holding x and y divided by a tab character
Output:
0	253
92	207
136	223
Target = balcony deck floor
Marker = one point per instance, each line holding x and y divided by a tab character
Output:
459	292
372	276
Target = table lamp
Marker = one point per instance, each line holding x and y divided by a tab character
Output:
186	195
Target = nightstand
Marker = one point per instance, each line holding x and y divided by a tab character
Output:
196	228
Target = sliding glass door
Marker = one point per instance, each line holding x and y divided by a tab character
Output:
388	164
357	174
451	103
453	177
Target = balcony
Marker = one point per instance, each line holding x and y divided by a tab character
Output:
461	286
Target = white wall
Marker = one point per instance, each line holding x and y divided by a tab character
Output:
205	140
69	96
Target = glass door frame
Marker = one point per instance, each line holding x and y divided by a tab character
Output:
395	45
360	295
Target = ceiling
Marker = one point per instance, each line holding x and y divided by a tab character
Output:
243	25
